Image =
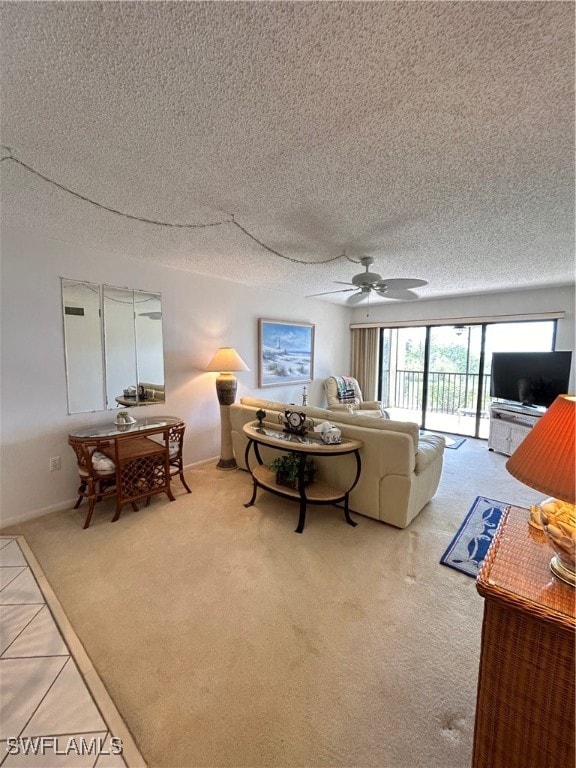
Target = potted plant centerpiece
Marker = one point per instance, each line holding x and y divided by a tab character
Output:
286	468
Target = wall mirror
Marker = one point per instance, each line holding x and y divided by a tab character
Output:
113	346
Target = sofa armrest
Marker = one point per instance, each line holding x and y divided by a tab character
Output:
430	449
374	405
368	405
357	408
341	407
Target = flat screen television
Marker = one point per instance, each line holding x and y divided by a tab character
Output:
530	378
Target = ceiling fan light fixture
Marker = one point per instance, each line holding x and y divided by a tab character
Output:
366	278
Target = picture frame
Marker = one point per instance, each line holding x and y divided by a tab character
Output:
285	353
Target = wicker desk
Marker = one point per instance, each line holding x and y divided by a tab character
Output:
525	703
140	452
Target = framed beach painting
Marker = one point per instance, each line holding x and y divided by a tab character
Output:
285	353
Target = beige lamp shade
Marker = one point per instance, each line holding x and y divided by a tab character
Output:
545	459
227	360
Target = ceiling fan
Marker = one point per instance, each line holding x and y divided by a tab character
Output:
366	282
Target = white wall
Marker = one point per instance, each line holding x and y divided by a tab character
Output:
486	305
200	314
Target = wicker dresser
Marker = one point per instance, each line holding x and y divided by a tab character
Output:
525	702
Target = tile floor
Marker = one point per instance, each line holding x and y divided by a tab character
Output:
55	710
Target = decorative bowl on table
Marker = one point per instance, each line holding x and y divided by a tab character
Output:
123	419
559	525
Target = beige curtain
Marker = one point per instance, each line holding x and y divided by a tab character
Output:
365	360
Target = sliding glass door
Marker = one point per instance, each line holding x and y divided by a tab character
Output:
519	337
403	358
453	380
439	375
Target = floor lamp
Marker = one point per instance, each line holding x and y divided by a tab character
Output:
225	361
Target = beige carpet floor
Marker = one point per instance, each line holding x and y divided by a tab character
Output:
226	639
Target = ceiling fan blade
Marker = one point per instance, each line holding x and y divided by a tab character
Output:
151	315
357	297
326	293
341	282
399	295
401	283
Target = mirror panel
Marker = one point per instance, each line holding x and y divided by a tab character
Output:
114	347
149	345
119	343
83	346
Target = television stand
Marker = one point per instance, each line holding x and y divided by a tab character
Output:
509	425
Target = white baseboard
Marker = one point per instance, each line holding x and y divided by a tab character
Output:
23	517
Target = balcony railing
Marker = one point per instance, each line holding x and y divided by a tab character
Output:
447	392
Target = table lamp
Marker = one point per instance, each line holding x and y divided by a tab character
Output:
546	460
225	361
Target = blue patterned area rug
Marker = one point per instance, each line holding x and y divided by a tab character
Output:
469	546
451	442
454	442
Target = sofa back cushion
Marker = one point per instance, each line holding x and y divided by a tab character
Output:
271	405
338	417
389	425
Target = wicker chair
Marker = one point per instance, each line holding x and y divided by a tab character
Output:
97	473
175	460
176	442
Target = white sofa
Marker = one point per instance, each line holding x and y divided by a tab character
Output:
400	468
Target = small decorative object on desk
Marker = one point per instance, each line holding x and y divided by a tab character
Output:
260	415
286	468
123	418
304	396
295	422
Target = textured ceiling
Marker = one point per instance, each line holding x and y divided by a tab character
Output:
437	137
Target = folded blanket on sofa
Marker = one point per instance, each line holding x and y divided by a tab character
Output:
346	393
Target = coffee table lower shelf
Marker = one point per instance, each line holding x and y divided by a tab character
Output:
317	492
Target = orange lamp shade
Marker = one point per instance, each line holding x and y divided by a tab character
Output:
545	460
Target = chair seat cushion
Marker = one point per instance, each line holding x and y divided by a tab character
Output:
102	463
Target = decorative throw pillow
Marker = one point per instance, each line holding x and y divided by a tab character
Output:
102	463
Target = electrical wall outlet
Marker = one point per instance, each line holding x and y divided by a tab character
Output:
55	463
